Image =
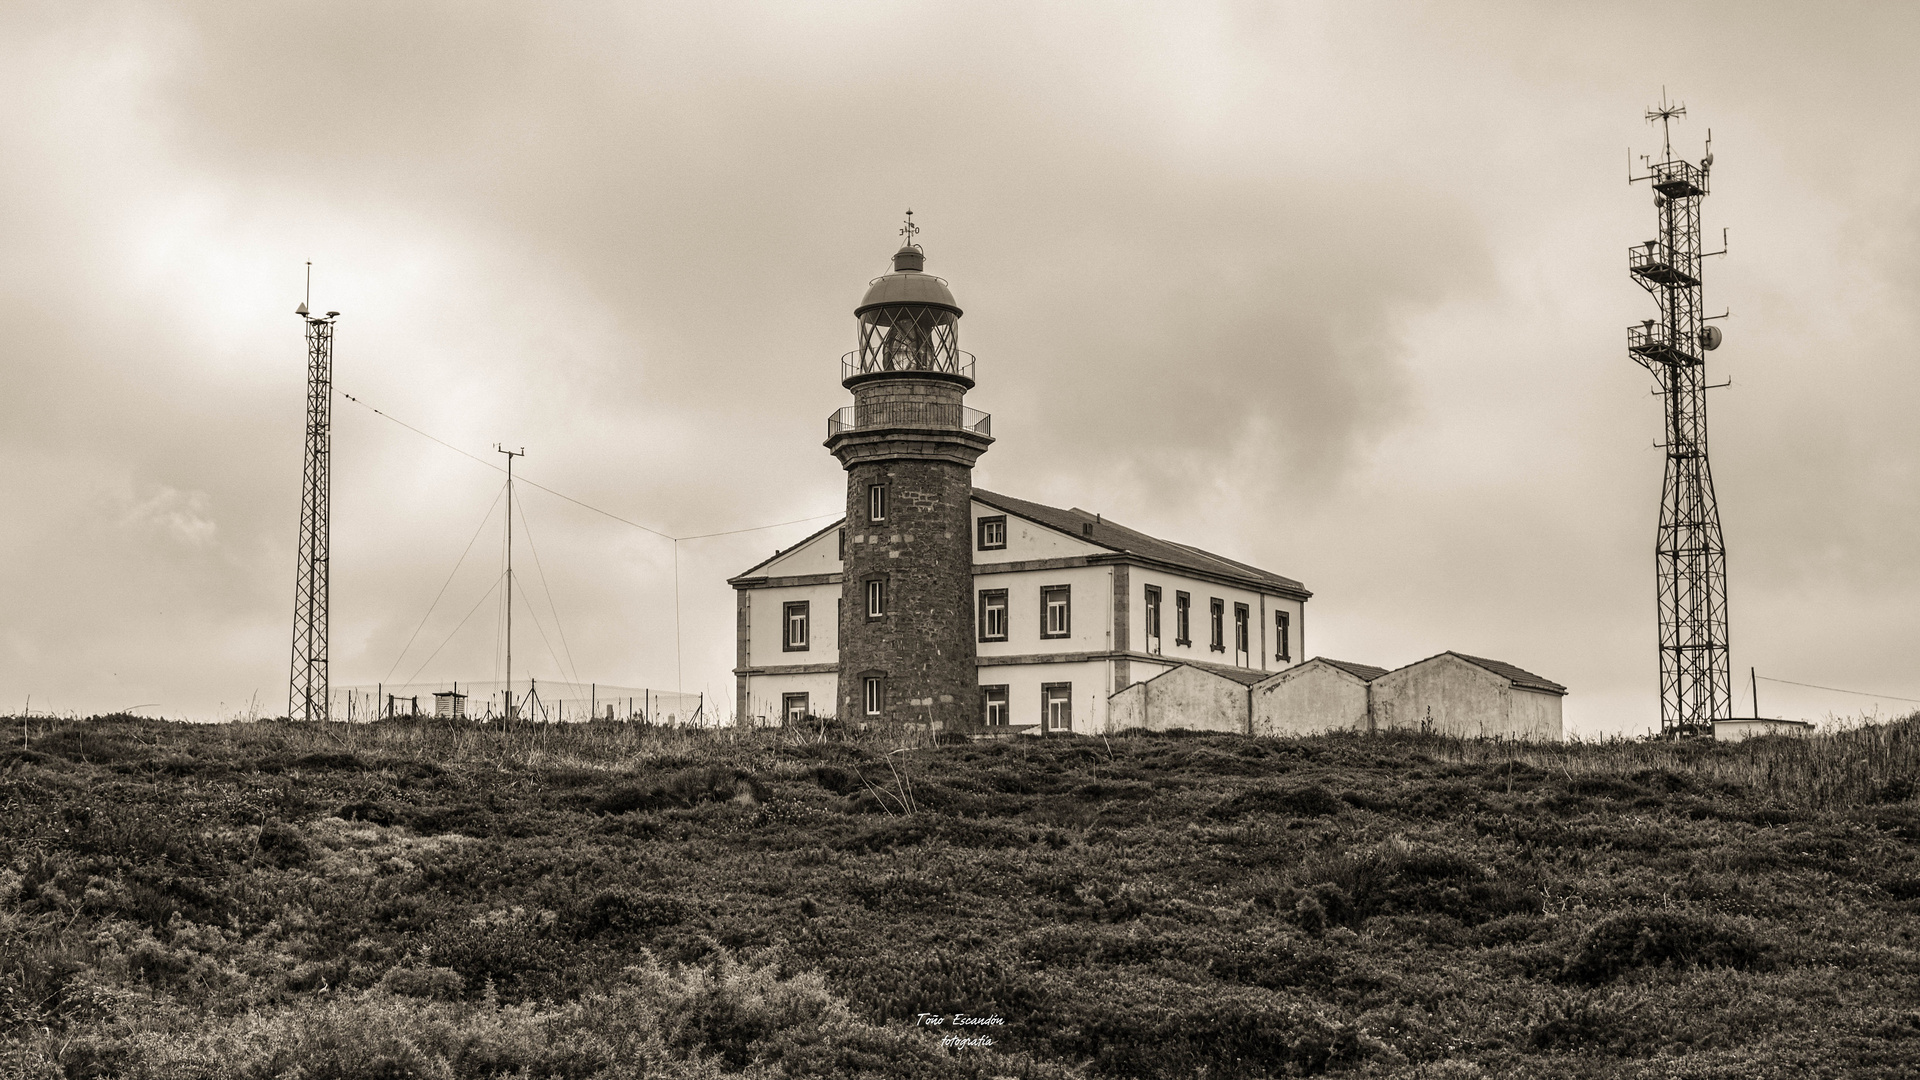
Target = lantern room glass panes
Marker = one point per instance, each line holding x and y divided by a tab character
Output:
909	337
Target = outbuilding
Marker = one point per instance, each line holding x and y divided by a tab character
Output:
1196	697
1741	727
1469	697
449	705
1318	696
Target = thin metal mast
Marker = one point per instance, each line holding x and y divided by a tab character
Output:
307	689
1690	556
511	454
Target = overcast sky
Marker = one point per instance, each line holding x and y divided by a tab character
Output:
1338	290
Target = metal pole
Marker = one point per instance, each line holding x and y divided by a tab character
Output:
511	454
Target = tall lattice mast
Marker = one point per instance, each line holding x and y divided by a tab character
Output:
307	691
1690	557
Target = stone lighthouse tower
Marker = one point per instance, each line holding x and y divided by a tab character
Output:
908	444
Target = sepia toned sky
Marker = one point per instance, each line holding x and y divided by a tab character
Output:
1335	289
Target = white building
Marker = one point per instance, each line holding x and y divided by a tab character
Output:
1467	696
1318	696
1068	609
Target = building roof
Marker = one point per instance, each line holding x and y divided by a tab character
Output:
1363	672
808	539
1114	537
1243	676
1119	538
1518	676
908	284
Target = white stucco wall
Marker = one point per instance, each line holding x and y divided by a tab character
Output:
1534	715
1260	630
766	692
1736	730
1186	697
1026	540
1443	694
767	620
1090	621
1462	699
1023	683
1308	699
819	555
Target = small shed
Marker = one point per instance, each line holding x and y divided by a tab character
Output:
1190	696
449	705
1744	727
1469	697
1318	696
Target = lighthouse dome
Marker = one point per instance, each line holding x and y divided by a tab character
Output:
908	284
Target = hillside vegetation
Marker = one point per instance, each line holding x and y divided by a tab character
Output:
611	901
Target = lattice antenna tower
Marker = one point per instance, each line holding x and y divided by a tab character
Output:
307	689
1690	556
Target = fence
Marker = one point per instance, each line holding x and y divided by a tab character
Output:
557	702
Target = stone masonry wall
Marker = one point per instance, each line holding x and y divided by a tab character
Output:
924	644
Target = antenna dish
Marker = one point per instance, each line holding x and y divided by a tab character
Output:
302	309
1710	337
1707	162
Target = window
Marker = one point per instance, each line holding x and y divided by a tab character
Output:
1055	612
797	618
1217	624
1240	619
843	545
1182	619
996	697
1056	704
877	503
1280	627
1153	619
993	533
873	693
876	597
993	615
795	707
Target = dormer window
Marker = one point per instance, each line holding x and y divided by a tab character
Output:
993	533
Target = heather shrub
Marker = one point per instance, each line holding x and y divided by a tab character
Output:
569	901
1637	939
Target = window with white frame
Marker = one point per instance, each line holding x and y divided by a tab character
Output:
1056	614
1152	613
873	693
1182	619
997	705
877	503
1056	704
1281	646
1241	620
993	533
1217	618
798	616
795	707
876	598
993	615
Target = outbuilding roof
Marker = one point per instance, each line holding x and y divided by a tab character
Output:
1243	676
1518	676
1096	529
1363	672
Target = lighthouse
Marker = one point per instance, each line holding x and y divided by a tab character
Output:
908	444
